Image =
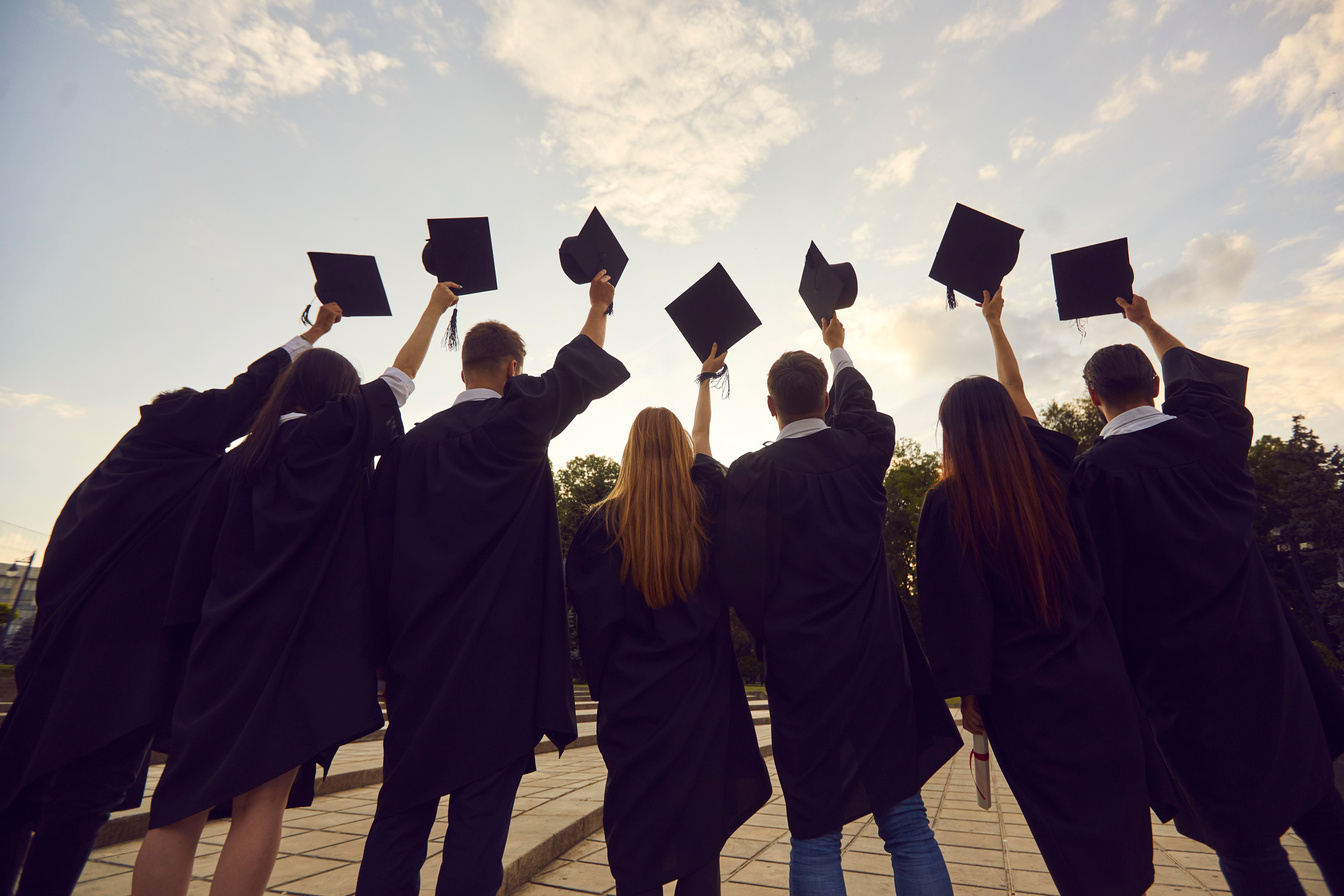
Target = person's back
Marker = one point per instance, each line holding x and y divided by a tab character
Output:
1206	637
855	722
467	562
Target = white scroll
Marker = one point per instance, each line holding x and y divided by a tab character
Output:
980	769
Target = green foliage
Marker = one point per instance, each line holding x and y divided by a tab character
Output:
1078	419
580	484
5	613
1299	525
913	472
743	648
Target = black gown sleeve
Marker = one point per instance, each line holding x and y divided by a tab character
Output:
1198	384
363	423
542	406
852	408
207	422
597	597
954	604
1059	450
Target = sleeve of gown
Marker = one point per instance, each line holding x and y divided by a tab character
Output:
542	406
852	407
1198	384
1059	449
363	423
382	517
746	557
597	597
212	419
955	606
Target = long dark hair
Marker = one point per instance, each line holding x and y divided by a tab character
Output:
1008	505
314	378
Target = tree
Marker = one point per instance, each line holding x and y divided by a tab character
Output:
913	472
1078	419
579	485
1299	527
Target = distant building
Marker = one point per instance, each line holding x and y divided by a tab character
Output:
23	603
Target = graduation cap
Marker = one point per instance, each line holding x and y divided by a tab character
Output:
459	251
825	288
594	249
351	281
713	311
976	253
1088	280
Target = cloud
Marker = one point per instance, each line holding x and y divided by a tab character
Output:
989	172
233	57
853	60
1213	269
1127	93
669	120
1163	8
1023	144
1191	62
1292	347
1305	76
68	13
873	11
431	31
990	19
1123	11
897	168
903	255
20	400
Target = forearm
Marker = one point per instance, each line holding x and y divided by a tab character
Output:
1009	373
1161	340
315	332
700	426
412	354
595	328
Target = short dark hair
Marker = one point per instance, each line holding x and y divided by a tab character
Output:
797	383
1119	373
491	344
170	394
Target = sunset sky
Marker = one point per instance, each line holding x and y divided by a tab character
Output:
165	165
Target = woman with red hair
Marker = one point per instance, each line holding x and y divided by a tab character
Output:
683	767
1014	624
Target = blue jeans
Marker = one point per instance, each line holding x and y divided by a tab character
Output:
916	861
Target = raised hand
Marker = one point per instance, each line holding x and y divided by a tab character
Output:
992	306
443	297
716	360
601	292
833	333
1135	311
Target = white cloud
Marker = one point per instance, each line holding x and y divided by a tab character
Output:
862	241
1163	8
903	255
232	57
991	19
989	172
1072	143
431	31
874	11
19	400
1305	75
68	12
897	168
1127	94
853	60
669	119
1023	144
1191	62
1213	269
1123	11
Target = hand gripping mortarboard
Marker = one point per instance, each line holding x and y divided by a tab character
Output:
459	251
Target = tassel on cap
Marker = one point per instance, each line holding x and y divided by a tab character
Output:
303	318
611	307
450	335
717	380
951	298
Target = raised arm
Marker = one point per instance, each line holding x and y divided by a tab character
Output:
600	296
412	354
1137	312
327	316
700	427
1004	360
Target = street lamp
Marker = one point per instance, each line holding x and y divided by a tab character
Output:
18	595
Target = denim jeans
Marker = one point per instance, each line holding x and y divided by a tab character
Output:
1266	870
916	861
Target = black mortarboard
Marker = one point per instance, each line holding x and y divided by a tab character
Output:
712	310
459	251
826	287
351	281
594	249
976	253
1088	280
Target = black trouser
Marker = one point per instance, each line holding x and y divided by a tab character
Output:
473	847
56	818
1253	872
703	881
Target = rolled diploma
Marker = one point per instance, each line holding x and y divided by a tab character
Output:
980	768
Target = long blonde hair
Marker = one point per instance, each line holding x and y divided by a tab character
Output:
654	512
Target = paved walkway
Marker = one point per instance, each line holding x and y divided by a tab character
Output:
555	844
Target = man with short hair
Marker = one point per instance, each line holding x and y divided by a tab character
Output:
857	723
1207	639
466	553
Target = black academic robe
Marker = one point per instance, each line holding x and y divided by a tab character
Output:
684	770
102	663
1057	704
856	722
467	552
282	666
1200	622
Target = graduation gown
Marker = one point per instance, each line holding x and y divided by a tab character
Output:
1200	621
282	667
102	664
1057	704
684	770
469	567
856	722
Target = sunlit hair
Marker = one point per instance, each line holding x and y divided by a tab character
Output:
1007	503
797	383
310	381
171	394
654	512
1120	374
490	345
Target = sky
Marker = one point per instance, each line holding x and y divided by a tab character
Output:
166	164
